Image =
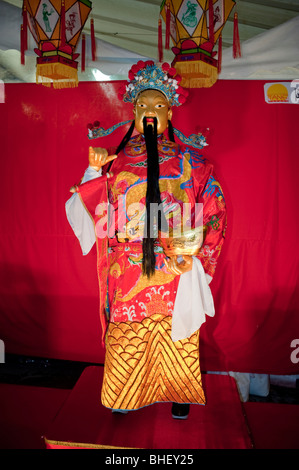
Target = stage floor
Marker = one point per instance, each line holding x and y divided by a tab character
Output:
84	422
40	417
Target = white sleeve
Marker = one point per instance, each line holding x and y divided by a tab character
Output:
78	217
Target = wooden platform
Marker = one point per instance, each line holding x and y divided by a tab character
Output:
84	423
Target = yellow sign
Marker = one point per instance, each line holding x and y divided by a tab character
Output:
282	92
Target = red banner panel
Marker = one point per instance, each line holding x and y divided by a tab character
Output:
49	291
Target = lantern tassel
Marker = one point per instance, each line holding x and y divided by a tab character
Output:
93	40
219	53
236	40
211	22
62	29
83	45
167	31
160	41
56	74
25	32
22	45
196	74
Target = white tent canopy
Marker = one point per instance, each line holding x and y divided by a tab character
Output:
111	61
271	55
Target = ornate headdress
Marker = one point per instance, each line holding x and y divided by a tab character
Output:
148	75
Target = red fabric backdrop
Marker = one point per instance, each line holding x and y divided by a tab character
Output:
48	290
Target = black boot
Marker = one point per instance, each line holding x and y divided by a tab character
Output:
123	412
180	410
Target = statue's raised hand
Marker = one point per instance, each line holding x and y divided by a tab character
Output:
98	157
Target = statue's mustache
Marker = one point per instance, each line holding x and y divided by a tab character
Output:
149	121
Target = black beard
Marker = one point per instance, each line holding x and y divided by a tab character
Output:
150	136
153	196
152	192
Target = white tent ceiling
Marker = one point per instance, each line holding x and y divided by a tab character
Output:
127	29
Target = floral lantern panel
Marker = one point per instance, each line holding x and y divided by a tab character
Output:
56	26
194	27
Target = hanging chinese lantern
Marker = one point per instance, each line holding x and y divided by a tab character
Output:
56	26
194	27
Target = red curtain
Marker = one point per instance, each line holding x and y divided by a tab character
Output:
49	291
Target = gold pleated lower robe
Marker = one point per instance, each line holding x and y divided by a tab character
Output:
144	366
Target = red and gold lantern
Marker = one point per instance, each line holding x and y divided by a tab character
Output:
56	26
194	27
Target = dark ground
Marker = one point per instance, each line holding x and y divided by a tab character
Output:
41	372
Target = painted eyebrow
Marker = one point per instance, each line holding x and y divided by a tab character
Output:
157	101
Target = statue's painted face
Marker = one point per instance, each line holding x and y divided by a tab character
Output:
152	104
